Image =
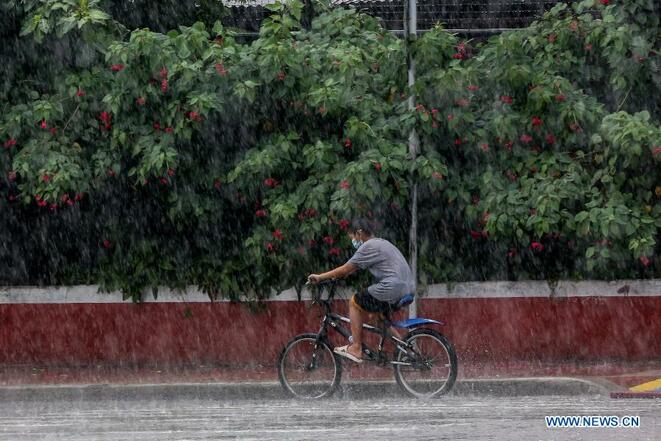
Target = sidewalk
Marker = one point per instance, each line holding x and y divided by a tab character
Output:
225	382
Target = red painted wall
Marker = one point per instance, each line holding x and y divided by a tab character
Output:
500	329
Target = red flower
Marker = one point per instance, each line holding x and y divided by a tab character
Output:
644	260
312	243
475	199
164	85
511	253
140	101
70	203
156	126
377	165
11	176
220	69
437	175
575	127
106	243
344	224
80	93
271	182
329	240
334	251
78	197
311	212
475	234
194	116
559	98
473	87
105	118
347	143
434	125
462	102
588	47
260	213
434	112
344	184
270	246
45	178
506	99
550	139
484	146
604	2
525	138
164	72
656	151
42	203
164	181
450	117
511	175
573	25
117	67
458	56
11	142
171	172
53	131
536	121
457	141
508	145
64	197
281	76
322	110
53	207
11	198
536	246
43	124
169	130
552	38
278	235
217	184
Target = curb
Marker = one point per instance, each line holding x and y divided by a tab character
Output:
272	390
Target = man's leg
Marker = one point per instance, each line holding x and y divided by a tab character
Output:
356	316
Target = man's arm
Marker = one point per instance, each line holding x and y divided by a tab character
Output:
340	272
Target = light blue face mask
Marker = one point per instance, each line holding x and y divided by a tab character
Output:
356	243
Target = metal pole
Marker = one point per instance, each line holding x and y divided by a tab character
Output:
414	148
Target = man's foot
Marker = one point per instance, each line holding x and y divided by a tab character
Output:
345	352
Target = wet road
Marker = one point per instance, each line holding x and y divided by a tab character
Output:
451	418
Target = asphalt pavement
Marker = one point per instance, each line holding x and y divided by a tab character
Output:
454	418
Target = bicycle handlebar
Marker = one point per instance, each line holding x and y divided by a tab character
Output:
331	292
323	282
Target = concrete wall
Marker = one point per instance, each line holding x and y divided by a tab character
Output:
487	322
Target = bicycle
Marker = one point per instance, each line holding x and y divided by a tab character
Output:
424	361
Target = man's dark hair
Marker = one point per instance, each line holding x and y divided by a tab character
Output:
368	226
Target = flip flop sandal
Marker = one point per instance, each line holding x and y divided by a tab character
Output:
344	352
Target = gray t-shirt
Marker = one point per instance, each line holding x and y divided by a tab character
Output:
389	268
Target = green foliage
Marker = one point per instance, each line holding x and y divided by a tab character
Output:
187	157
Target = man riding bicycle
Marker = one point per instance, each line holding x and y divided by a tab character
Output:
393	281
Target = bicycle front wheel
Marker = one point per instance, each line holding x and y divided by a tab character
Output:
432	371
308	368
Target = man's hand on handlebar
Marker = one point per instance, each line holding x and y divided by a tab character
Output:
314	279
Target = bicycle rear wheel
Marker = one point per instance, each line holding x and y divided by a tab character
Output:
308	368
432	371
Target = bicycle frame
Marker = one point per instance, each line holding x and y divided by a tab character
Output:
334	321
